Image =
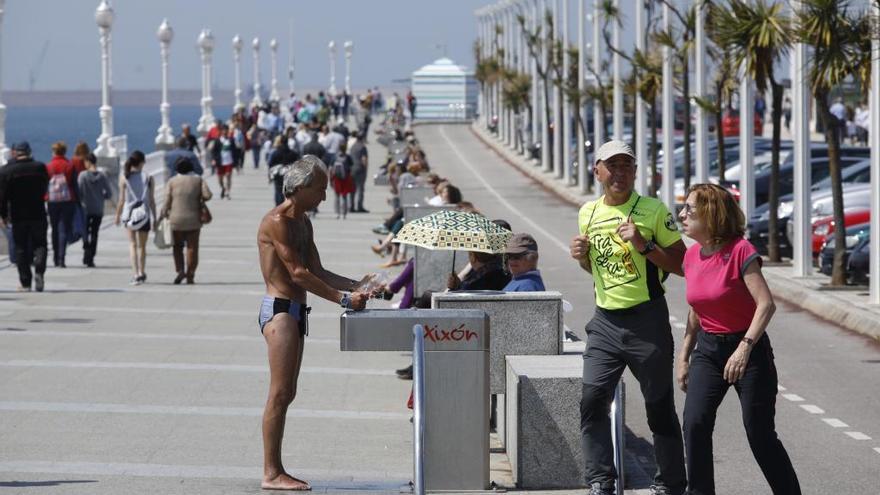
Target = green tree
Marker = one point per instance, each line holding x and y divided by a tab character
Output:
840	39
758	34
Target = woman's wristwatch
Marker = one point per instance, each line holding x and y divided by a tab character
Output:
749	341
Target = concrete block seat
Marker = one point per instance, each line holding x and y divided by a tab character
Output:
543	421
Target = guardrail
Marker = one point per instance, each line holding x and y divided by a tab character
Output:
419	409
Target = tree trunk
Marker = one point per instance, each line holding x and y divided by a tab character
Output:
773	190
719	132
832	136
686	93
654	147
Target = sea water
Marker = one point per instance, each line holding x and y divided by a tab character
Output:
42	126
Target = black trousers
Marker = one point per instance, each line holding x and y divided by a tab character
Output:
360	182
90	241
757	396
30	248
61	218
639	338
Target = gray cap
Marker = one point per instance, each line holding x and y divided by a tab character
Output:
521	243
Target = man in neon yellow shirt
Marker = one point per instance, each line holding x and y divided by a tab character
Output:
629	243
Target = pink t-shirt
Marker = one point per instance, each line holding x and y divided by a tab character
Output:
716	289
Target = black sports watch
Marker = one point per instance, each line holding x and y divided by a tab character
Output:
649	246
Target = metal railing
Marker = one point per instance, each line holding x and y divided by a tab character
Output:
618	438
419	409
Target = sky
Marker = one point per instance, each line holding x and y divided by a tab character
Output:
392	38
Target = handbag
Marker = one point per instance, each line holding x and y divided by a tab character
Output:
204	213
163	238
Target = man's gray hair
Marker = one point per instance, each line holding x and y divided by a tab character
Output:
302	174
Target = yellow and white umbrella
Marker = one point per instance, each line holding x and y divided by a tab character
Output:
455	230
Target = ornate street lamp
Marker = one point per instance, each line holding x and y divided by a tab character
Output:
206	46
237	45
273	47
331	48
258	100
349	49
165	137
104	20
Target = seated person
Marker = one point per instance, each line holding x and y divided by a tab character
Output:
522	260
487	273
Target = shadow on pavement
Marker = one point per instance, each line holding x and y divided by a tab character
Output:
31	484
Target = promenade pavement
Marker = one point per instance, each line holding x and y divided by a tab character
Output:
108	388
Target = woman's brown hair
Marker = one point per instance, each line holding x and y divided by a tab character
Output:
59	148
82	149
719	212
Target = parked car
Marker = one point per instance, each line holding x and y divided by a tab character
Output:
824	227
854	236
730	123
858	268
857	173
854	196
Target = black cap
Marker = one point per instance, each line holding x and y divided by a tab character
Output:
22	147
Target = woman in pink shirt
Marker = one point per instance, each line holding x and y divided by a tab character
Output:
731	306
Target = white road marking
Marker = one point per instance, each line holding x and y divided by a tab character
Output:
181	471
835	423
812	409
857	435
237	368
501	199
79	407
159	336
793	397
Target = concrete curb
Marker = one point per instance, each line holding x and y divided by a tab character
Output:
530	168
829	305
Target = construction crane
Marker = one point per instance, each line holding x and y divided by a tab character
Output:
35	69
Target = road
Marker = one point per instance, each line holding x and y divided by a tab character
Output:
107	388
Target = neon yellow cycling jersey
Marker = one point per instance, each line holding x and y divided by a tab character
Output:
622	277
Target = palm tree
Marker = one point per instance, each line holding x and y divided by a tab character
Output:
757	35
840	41
649	67
536	45
515	90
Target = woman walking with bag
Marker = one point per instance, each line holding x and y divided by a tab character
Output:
185	197
136	210
731	307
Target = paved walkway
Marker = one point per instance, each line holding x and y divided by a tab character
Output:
108	388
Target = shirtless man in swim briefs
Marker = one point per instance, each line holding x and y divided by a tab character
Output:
292	267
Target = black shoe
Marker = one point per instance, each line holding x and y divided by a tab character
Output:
598	489
38	282
406	376
179	278
141	278
404	371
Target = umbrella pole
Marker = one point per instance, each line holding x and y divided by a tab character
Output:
453	261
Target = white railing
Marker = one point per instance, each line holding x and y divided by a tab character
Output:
419	409
120	144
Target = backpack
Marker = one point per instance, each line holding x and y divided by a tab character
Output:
338	170
138	215
59	191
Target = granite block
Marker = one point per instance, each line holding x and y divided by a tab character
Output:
432	268
416	196
520	324
543	414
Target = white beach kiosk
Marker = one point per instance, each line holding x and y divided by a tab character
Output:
445	91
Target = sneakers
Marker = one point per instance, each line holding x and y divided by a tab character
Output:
381	230
598	489
38	282
659	490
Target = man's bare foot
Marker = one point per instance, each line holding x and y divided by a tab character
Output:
285	481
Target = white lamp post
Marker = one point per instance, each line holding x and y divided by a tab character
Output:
349	49
702	132
331	49
206	46
237	45
801	247
598	111
583	182
4	151
258	100
273	53
667	191
104	20
565	173
641	130
165	137
874	136
290	62
617	90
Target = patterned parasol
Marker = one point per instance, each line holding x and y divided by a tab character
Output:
455	230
